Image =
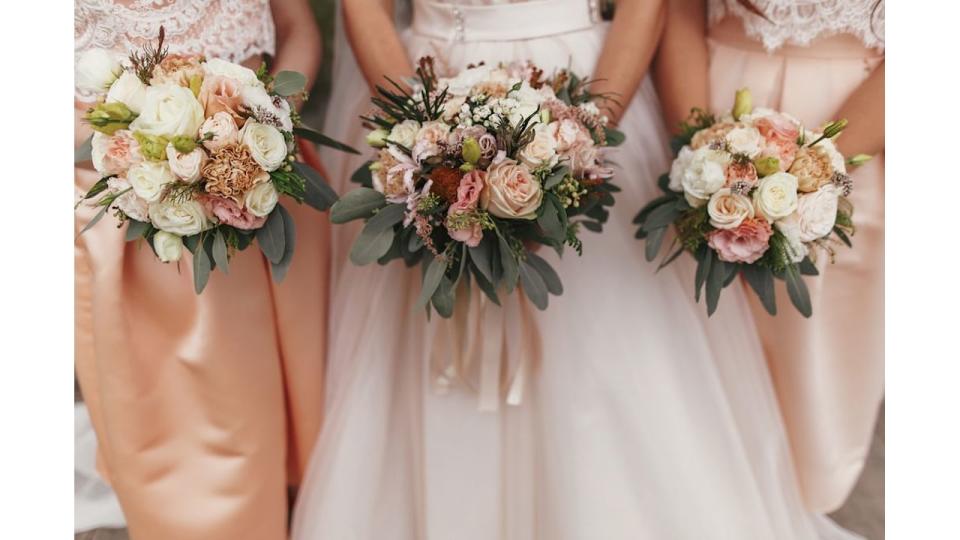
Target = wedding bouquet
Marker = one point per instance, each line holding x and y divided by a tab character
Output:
473	171
196	152
752	193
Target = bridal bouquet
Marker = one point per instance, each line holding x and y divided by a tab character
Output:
752	193
473	171
196	152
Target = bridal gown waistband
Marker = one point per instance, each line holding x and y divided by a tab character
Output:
503	22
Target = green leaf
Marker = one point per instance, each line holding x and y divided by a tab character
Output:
220	251
96	218
191	242
664	184
357	204
321	139
654	241
732	270
135	229
549	275
280	268
592	226
485	286
550	222
660	217
614	137
807	268
556	177
432	275
651	206
482	257
271	237
84	152
843	236
671	258
511	267
718	272
377	235
319	194
797	290
288	83
363	175
201	268
760	280
704	258
443	298
533	285
414	243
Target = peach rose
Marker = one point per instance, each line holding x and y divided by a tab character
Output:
221	94
780	135
746	244
222	131
741	173
115	154
230	213
511	191
716	132
813	169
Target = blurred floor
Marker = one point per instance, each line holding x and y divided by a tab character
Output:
863	512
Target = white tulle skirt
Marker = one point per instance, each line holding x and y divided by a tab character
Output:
644	420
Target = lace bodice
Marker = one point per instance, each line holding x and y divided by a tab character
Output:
233	30
798	22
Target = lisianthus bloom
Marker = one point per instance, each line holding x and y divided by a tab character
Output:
231	171
228	212
744	244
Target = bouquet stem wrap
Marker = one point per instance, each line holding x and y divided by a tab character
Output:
488	348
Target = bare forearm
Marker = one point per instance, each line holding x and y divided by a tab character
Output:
864	109
299	45
376	44
681	65
627	51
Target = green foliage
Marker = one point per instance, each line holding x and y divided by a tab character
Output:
697	120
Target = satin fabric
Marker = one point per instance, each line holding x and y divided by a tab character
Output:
828	370
633	426
205	406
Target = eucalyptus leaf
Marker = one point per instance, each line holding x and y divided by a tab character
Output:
550	222
482	257
318	194
443	298
533	285
357	204
843	236
654	241
280	268
363	175
96	218
660	217
84	152
135	229
651	206
732	270
191	242
807	268
593	226
374	242
718	273
271	237
760	280
201	269
511	267
797	290
288	83
671	258
614	137
556	177
220	251
432	275
323	140
549	275
414	243
704	258
485	286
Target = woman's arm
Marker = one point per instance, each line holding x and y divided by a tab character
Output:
627	51
865	111
376	44
682	62
299	46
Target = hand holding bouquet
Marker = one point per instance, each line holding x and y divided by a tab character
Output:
197	152
752	193
470	172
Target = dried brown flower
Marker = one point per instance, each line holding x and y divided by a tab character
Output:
232	171
446	181
812	167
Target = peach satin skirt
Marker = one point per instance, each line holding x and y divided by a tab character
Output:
205	407
828	370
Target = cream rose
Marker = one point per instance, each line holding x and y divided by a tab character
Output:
168	111
705	175
542	150
790	228
679	167
97	69
130	91
114	154
241	74
818	212
511	191
261	199
218	131
187	166
567	133
267	109
266	144
776	196
405	133
727	209
184	218
128	203
744	140
149	178
169	247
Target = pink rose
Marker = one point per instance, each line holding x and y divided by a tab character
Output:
221	94
230	213
511	192
114	154
471	236
780	138
746	244
468	194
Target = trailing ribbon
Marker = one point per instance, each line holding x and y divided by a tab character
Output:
490	349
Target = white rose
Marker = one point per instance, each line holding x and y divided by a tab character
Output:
222	130
148	179
128	203
405	133
169	247
567	132
168	111
542	150
263	105
836	158
186	166
727	209
184	218
97	69
466	80
745	140
776	196
451	108
261	199
705	175
790	228
241	74
130	91
266	144
818	212
679	167
98	150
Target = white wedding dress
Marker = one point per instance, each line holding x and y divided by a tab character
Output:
644	420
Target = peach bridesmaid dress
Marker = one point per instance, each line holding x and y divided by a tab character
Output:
806	58
205	407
